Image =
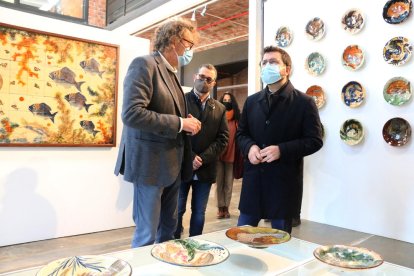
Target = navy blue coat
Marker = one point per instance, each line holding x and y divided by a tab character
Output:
273	190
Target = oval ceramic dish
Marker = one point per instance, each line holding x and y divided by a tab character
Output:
87	265
315	64
396	132
397	91
396	11
258	237
348	257
397	51
284	36
190	252
315	29
352	132
353	94
353	57
353	21
316	92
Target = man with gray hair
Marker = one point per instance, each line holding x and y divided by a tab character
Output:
155	151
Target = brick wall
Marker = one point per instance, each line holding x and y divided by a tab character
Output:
97	13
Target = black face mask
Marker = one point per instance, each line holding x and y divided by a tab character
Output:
201	86
228	105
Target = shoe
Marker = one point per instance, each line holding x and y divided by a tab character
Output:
220	213
296	222
226	212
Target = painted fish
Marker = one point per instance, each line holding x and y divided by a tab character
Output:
36	85
43	110
89	127
92	92
92	66
66	75
4	64
78	100
15	106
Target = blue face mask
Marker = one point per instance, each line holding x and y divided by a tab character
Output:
271	74
185	58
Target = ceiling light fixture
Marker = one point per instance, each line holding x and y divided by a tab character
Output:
193	17
203	13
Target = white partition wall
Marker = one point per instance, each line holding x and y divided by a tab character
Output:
368	187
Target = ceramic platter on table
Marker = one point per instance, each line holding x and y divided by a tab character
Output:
257	237
315	64
315	29
352	132
396	11
353	21
190	252
87	265
397	51
284	36
348	257
397	91
353	94
353	57
316	92
396	132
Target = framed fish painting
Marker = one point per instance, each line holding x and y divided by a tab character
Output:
56	91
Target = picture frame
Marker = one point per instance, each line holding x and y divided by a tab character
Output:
56	90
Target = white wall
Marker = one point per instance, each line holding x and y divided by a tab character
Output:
53	192
368	187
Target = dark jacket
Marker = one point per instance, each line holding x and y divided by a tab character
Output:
273	190
212	138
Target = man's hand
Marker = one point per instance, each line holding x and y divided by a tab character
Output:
254	155
270	154
197	162
191	125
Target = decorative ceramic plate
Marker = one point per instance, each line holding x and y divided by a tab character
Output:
87	265
397	51
258	237
315	29
316	92
396	11
315	64
397	91
353	21
352	132
353	94
348	257
190	252
284	36
353	57
396	132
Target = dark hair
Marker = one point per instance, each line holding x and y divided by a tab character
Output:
236	108
209	67
285	56
170	30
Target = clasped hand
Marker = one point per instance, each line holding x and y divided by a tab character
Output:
197	162
191	125
268	154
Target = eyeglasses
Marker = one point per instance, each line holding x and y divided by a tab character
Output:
205	78
188	41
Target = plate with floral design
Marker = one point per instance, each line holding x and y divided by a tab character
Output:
348	257
396	132
397	51
257	237
315	29
87	265
318	95
353	94
353	57
353	21
396	11
190	252
397	91
315	64
352	132
284	36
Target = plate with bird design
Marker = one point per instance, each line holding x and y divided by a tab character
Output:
397	51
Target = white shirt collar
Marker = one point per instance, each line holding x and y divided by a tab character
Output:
167	64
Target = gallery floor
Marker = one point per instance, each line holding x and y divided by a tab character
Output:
39	253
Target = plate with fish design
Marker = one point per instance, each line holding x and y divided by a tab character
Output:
257	237
353	21
397	51
353	94
284	36
348	257
318	95
190	252
353	57
87	265
315	64
397	91
352	132
315	29
396	11
396	132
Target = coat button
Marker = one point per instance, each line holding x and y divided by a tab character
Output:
267	122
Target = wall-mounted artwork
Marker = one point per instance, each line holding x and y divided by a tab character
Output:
56	90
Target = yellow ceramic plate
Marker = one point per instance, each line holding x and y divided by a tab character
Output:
259	237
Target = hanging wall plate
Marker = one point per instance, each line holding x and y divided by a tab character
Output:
315	29
396	11
284	36
318	95
315	64
353	57
352	132
353	21
397	91
396	132
397	51
353	94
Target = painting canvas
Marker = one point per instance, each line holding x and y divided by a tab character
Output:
56	90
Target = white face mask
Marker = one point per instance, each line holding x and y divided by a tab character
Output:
271	74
